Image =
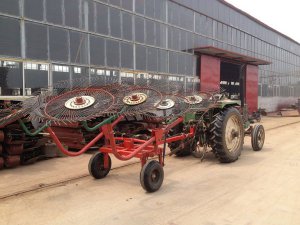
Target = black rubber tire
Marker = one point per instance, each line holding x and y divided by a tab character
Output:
218	136
96	166
186	150
152	176
258	137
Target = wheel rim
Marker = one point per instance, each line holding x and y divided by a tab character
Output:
233	133
100	166
260	138
154	176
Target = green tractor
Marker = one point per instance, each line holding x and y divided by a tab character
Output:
220	128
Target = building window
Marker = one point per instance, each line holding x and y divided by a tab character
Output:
149	8
126	55
36	41
11	79
127	78
10	64
140	6
59	68
113	53
152	56
115	22
163	59
115	2
81	75
10	7
54	11
160	9
58	44
102	18
127	4
10	37
60	73
44	67
77	70
127	26
71	13
97	50
192	84
36	77
150	32
79	47
139	29
34	9
141	57
30	66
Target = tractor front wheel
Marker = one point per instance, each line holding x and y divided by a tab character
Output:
227	135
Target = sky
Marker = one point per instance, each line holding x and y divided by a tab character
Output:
282	15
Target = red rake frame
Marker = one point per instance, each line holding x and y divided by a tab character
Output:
128	148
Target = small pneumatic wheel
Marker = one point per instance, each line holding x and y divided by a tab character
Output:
96	165
152	176
258	137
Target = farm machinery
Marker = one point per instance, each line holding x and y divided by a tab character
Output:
17	148
140	121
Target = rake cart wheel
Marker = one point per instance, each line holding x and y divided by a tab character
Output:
96	166
258	137
227	135
152	176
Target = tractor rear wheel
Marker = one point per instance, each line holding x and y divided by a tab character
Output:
258	137
227	135
96	166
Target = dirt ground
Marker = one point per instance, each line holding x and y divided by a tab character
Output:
260	188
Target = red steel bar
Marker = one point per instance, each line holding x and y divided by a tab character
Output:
175	123
182	137
85	148
133	139
133	153
143	144
65	151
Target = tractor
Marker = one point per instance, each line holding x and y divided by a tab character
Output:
221	128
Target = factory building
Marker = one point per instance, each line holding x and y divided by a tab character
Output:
43	42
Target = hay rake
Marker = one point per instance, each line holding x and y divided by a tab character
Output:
66	104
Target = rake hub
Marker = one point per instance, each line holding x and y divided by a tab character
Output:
193	99
166	104
135	98
80	102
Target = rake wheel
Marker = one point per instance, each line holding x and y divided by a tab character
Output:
171	106
15	112
200	100
136	100
79	105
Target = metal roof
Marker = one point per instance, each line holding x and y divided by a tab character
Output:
222	53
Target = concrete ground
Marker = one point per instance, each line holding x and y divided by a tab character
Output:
260	188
